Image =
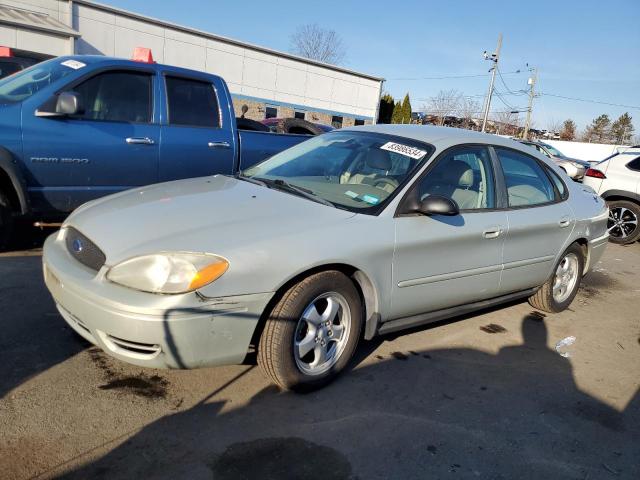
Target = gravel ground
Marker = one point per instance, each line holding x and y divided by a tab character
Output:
484	396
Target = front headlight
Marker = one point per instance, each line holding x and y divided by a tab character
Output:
169	272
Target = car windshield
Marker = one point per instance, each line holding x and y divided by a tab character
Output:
353	170
22	85
554	151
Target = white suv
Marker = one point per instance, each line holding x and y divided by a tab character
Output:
617	180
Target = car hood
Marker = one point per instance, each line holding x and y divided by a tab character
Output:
215	214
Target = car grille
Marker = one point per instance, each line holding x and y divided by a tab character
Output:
84	250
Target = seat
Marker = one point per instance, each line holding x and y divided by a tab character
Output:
455	181
375	167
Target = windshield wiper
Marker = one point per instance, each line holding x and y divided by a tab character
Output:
280	184
255	181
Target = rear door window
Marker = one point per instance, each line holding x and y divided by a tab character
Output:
117	96
527	183
192	103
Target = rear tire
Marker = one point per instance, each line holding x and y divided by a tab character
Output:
6	221
312	332
558	292
621	226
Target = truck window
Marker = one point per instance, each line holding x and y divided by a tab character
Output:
192	103
9	68
116	97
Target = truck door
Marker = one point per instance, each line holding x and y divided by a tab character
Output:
112	145
195	143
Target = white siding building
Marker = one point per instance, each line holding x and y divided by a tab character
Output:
258	77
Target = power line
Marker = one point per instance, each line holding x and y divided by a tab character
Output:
507	87
446	77
590	101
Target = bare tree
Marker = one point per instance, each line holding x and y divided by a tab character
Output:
507	122
468	109
445	103
317	43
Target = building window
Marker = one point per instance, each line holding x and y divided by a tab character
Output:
270	112
336	122
359	121
298	114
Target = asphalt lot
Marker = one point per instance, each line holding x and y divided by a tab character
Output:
486	396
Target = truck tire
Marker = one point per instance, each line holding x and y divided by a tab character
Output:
248	124
299	126
558	292
624	221
6	221
312	332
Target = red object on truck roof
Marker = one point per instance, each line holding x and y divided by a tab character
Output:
142	54
5	52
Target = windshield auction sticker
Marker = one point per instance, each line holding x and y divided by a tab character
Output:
405	150
76	65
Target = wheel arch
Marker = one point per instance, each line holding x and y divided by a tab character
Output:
365	287
612	195
12	182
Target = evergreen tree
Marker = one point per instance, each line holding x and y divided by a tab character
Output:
622	130
386	108
396	117
599	130
406	109
568	131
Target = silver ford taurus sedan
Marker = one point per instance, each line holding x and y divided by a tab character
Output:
351	234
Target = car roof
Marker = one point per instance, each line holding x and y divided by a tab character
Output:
437	136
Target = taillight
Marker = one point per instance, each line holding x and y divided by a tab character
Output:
592	172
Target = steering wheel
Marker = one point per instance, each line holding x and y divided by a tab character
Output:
385	181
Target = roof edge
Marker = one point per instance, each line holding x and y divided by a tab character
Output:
231	41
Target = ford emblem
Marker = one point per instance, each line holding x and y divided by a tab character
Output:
77	245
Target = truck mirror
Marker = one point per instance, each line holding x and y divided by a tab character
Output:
68	103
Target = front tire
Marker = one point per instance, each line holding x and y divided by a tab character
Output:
623	224
559	291
312	332
6	222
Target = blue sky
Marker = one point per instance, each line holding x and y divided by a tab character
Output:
583	48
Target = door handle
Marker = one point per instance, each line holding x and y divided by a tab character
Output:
564	222
219	144
140	141
492	232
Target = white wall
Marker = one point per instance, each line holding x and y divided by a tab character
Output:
586	151
33	40
248	71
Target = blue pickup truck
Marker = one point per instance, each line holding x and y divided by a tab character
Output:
76	128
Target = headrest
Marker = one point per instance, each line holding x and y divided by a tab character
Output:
459	173
378	159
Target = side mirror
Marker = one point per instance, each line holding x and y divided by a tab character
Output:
61	105
435	205
68	103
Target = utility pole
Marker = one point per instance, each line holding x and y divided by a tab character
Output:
532	94
495	57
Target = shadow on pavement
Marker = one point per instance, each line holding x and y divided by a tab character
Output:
414	414
34	338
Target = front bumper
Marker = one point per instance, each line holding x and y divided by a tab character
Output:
159	331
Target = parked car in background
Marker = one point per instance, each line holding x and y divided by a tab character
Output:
572	166
10	63
76	128
362	230
296	125
617	180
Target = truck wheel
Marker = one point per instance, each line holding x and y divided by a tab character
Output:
312	332
559	291
623	221
6	221
248	124
299	126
